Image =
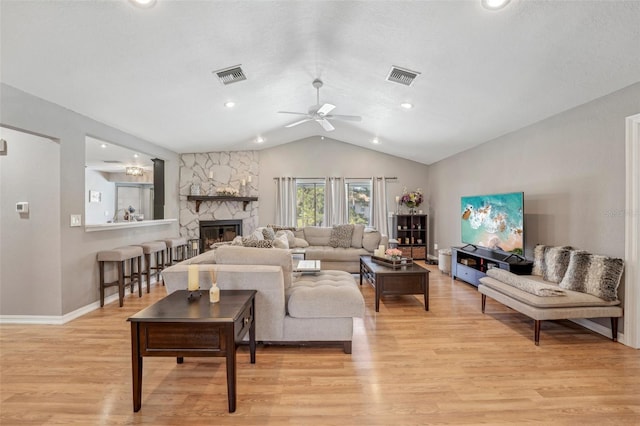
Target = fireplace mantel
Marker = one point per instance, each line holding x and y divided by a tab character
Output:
200	198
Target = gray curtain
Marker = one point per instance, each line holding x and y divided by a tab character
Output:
335	206
379	211
286	214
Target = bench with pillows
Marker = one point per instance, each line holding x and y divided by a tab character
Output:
564	284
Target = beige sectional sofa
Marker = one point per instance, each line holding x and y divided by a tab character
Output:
338	248
290	307
564	284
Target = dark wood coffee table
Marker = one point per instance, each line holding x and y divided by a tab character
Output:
411	279
176	327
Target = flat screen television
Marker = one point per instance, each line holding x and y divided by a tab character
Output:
494	221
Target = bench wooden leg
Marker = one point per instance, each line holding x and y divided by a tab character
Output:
536	331
347	347
614	329
484	302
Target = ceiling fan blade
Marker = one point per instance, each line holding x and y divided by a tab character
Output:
289	112
325	109
326	125
298	122
344	117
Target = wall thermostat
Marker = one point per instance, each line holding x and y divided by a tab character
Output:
22	207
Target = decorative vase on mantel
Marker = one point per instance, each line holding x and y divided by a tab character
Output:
195	189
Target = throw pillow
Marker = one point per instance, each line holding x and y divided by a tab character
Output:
371	240
277	228
281	242
341	236
289	234
300	243
556	262
268	233
593	274
358	233
550	262
257	243
254	236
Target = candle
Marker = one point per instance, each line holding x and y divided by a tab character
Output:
381	248
397	199
249	178
193	278
210	174
244	182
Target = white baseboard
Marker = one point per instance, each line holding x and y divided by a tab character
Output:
598	328
58	319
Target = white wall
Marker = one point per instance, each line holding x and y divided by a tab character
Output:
571	168
78	248
314	157
30	272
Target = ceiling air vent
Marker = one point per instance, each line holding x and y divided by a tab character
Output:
112	161
231	75
402	76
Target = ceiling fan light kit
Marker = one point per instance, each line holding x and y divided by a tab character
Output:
320	113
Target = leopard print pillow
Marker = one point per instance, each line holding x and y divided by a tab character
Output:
341	236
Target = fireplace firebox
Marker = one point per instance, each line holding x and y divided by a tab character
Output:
217	231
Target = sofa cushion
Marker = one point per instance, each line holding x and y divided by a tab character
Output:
551	262
330	254
356	237
341	236
593	274
572	298
371	240
327	294
317	235
233	255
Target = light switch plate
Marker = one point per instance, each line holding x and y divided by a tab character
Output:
76	220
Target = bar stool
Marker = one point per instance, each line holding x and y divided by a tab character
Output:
157	248
121	255
175	246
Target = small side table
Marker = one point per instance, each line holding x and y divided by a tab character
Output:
177	327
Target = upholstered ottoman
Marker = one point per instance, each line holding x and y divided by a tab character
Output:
325	302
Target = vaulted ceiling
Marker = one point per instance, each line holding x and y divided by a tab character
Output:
482	73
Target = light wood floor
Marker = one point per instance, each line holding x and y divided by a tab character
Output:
451	365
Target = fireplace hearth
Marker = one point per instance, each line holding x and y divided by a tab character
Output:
217	231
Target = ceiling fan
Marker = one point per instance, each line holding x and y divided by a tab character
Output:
320	113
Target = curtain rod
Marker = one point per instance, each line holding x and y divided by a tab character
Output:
331	177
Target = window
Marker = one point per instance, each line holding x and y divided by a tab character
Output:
310	203
358	201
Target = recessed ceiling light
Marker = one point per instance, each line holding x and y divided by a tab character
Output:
135	155
143	3
375	141
229	104
494	4
406	105
104	145
259	139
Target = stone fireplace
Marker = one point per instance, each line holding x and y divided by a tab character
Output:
217	231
